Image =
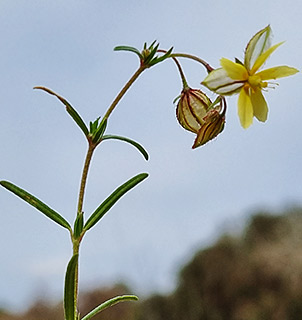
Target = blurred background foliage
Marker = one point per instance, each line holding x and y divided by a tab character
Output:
254	275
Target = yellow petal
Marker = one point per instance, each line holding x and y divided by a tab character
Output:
263	57
259	43
260	109
245	109
277	72
234	70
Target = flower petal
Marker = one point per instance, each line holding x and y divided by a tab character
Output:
277	72
259	105
219	82
234	70
263	57
259	43
245	109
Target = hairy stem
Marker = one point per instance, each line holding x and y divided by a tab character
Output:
91	147
124	90
182	75
89	154
190	56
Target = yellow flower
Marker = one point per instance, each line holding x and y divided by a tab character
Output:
246	79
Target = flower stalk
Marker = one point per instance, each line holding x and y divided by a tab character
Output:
193	57
118	98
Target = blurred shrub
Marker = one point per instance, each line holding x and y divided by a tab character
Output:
257	276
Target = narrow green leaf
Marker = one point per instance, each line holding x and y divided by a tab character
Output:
112	199
128	48
149	58
134	143
151	45
161	58
72	112
109	303
70	289
93	125
35	202
78	225
97	135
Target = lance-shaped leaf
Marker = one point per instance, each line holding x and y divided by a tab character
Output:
128	48
70	289
109	303
99	131
35	202
72	112
150	53
112	199
78	225
161	58
134	143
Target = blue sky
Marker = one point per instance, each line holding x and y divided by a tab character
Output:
190	196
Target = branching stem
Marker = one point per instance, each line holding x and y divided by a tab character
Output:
89	154
124	90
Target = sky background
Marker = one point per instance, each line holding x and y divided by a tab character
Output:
191	195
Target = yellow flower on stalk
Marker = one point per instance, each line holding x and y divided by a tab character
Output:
246	79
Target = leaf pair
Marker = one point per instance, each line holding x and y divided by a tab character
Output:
94	218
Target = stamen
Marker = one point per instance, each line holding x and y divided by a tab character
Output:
270	85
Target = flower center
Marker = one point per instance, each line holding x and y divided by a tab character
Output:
255	82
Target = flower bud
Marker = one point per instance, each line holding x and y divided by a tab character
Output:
192	107
214	124
196	113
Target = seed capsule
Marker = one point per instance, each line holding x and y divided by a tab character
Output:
195	112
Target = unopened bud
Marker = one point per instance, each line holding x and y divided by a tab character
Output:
214	124
196	113
192	107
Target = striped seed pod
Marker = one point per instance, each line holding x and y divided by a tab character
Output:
192	107
195	112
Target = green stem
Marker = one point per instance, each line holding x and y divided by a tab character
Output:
190	56
91	147
76	241
124	90
76	248
89	154
182	75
